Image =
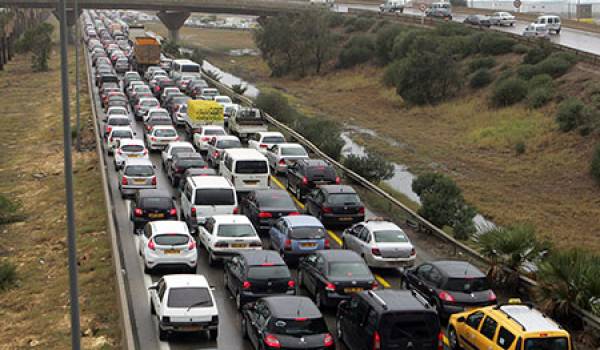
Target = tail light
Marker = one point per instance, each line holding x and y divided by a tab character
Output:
440	340
376	341
375	251
236	210
153	139
294	213
328	340
327	244
374	285
157	88
177	138
108	129
338	180
305	180
445	296
262	145
413	252
138	212
491	296
291	284
272	341
145	151
361	210
327	210
173	212
124	181
151	245
265	215
205	138
246	285
216	155
287	245
119	152
193	211
330	287
179	170
153	180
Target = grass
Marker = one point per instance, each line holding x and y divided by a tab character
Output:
36	310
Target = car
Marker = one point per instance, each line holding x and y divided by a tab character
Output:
246	169
165	63
167	243
207	93
452	286
117	111
297	236
333	275
184	303
121	64
255	274
551	22
136	87
261	141
117	100
201	137
536	31
136	174
392	6
174	101
439	9
195	87
168	91
388	319
191	172
502	19
116	134
381	243
217	146
285	322
174	148
512	325
307	174
205	196
130	76
106	77
159	137
129	149
160	85
478	20
115	121
150	70
181	162
156	120
156	112
108	93
223	100
263	207
225	235
183	81
143	105
282	154
335	205
228	111
152	205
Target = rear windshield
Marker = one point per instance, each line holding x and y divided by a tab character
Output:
251	167
321	172
298	327
160	114
348	269
236	231
149	103
226	144
171	239
122	134
183	109
118	121
273	139
293	151
186	297
275	200
191	163
159	121
139	170
399	328
307	233
132	148
214	132
190	68
467	285
157	203
219	196
390	236
176	150
165	133
559	343
267	272
343	198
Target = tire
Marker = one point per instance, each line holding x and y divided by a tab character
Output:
162	334
453	339
226	281
211	259
213	334
338	330
300	279
238	300
244	328
558	32
152	309
319	300
147	270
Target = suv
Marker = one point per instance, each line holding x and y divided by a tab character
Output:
205	196
388	319
184	303
307	174
511	326
440	9
552	23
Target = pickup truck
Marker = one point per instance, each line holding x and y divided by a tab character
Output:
246	121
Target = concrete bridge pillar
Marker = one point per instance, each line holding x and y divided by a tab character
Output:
173	20
72	18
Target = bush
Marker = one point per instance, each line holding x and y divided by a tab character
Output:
450	29
570	114
9	211
38	41
595	165
170	47
527	71
404	42
361	24
508	92
335	20
390	75
8	275
481	62
521	49
276	105
384	42
371	166
496	44
239	89
482	77
358	50
540	80
537	54
554	66
520	147
329	142
538	97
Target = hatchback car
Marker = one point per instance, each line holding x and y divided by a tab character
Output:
256	274
262	141
152	205
503	19
282	155
129	149
285	322
172	149
263	207
331	276
117	111
307	174
143	105
159	137
136	174
478	20
296	236
181	162
117	134
191	172
217	146
153	121
335	205
156	112
115	120
452	286
167	243
201	137
381	243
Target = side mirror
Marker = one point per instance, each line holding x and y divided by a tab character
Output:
212	288
153	287
461	319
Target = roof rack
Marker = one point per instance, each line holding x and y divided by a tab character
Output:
512	318
378	298
420	298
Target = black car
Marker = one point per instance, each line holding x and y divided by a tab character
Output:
335	205
157	120
152	205
256	274
195	87
285	322
181	162
106	78
264	207
194	172
451	286
478	20
307	174
331	276
388	319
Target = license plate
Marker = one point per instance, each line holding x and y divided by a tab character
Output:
353	290
139	182
308	245
156	215
133	156
345	219
172	251
238	245
191	328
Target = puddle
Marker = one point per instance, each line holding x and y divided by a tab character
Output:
230	80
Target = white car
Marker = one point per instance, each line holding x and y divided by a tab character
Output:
280	155
184	303
502	19
169	90
261	141
144	105
116	134
217	145
180	114
207	94
156	112
204	134
117	111
167	243
115	121
224	235
537	31
129	149
160	136
174	148
223	100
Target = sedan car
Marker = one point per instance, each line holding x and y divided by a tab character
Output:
181	162
160	136
143	105
285	322
535	30
502	19
156	112
256	274
114	121
297	236
307	174
136	174
152	205
263	207
118	100
130	76
331	276
129	149
153	121
478	20
217	146
452	286
191	172
281	155
335	205
117	111
201	137
381	243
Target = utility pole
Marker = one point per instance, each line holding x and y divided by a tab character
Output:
77	106
68	168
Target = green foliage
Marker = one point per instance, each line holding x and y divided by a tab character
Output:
170	47
335	20
8	275
360	24
554	66
496	44
452	29
520	147
358	50
527	71
404	42
521	49
9	210
384	42
482	77
482	62
508	92
212	74
595	164
537	54
198	55
462	3
38	41
239	89
541	80
570	114
539	96
277	106
329	142
371	166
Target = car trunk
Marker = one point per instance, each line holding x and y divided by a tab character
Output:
394	250
349	285
269	279
409	330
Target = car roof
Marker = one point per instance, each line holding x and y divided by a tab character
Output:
126	142
169	226
290	145
226	137
121	128
396	300
163	127
157	109
259	257
180	144
269	191
154	193
331	189
210	182
290	307
187	155
185	280
270	133
231	219
117	116
339	255
214	127
138	161
314	162
148	98
199	171
303	221
376	225
458	269
245	154
528	317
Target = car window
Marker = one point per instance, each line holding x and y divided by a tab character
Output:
356	229
423	270
235	230
171	239
554	343
292	151
226	144
216	196
488	328
214	132
273	139
348	269
162	287
266	272
156	203
390	236
363	235
251	167
298	326
189	296
435	277
505	338
320	172
132	148
400	328
139	170
474	319
467	285
343	199
165	133
307	233
275	200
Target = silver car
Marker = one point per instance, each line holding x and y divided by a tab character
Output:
280	155
217	146
135	175
381	243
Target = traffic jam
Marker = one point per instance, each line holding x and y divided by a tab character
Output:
245	241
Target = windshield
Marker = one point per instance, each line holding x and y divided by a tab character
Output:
348	269
467	285
157	203
219	196
171	239
226	144
159	114
390	236
293	151
186	297
268	272
559	343
132	148
165	133
149	103
139	170
214	132
176	150
298	327
234	230
191	163
402	327
307	233
273	139
118	121
343	198
121	134
190	68
251	167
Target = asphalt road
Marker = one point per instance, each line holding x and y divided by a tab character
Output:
569	37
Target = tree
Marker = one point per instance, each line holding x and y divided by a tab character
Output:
38	41
370	166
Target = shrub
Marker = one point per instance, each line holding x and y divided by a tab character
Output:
9	211
570	114
452	29
8	275
541	80
508	92
239	89
214	75
38	41
276	105
595	165
329	142
335	19
554	66
495	44
170	47
527	71
537	54
520	147
358	50
481	62
371	166
480	78
403	43
361	24
521	49
384	42
390	75
539	96
462	46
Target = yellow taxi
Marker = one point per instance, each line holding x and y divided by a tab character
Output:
511	326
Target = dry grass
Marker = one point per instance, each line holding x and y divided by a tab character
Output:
35	312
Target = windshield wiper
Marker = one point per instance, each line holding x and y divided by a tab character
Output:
198	304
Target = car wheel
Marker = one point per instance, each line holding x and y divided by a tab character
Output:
299	193
162	334
225	280
211	259
318	300
238	300
244	328
152	309
213	334
300	279
147	270
338	330
453	339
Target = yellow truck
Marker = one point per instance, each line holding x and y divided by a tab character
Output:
203	112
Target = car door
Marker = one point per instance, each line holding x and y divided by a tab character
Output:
314	201
158	295
292	176
145	238
356	335
272	155
253	141
234	272
415	277
259	324
308	269
206	233
431	283
470	330
276	234
186	201
318	274
364	237
251	208
487	334
351	237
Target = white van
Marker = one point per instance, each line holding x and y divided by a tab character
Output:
246	169
179	67
206	196
551	22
